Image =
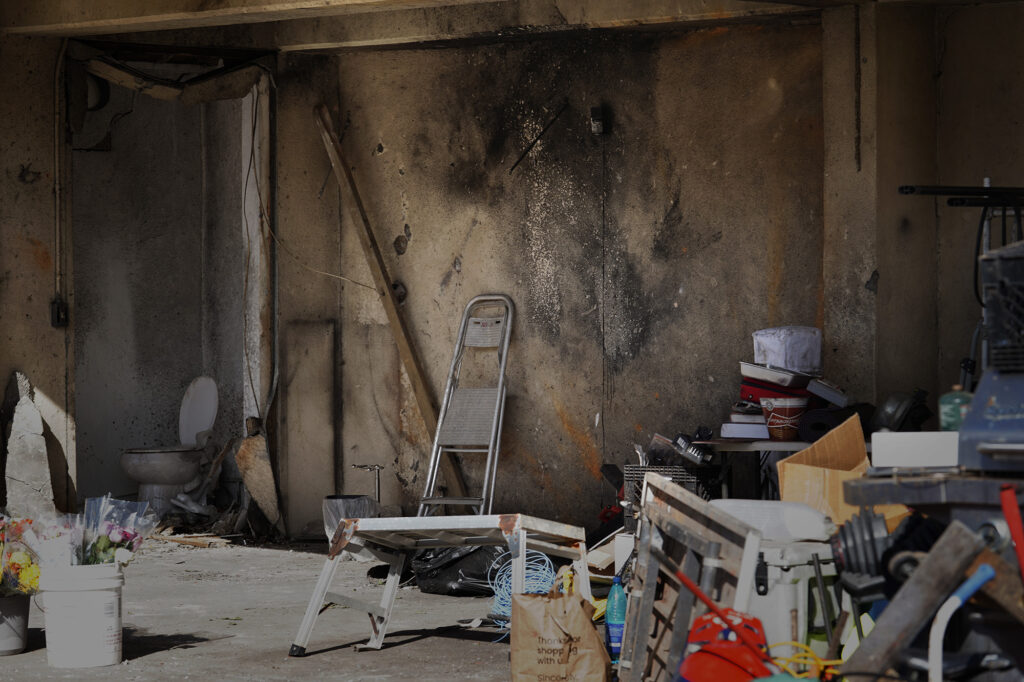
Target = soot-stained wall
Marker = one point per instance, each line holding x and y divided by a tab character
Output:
158	247
640	260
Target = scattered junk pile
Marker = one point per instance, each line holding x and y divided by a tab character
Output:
893	566
863	568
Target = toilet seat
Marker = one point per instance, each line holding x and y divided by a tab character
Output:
197	414
198	411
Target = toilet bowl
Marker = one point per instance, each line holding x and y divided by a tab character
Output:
164	472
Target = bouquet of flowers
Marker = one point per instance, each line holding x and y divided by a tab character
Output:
109	531
19	564
58	541
114	529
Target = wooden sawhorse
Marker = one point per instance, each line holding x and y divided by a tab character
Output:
392	539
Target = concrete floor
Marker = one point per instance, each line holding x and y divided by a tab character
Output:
231	613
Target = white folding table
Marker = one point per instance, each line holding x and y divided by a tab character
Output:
392	539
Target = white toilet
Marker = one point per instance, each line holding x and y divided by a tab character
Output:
164	472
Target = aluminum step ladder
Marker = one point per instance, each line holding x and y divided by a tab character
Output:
471	415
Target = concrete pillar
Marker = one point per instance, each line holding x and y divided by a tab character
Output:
34	254
906	243
308	408
850	195
880	250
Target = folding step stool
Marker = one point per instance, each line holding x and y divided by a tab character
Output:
470	418
392	539
469	422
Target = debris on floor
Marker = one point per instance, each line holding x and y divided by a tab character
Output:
204	540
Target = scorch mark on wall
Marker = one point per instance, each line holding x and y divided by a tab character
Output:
40	254
584	442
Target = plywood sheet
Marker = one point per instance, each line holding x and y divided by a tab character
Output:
308	443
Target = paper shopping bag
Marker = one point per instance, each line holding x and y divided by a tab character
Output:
554	638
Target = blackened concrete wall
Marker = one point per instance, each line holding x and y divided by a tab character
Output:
640	261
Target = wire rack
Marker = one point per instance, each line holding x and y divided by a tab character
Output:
704	482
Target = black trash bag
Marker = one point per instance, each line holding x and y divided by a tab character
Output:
456	571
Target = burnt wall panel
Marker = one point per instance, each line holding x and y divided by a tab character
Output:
640	260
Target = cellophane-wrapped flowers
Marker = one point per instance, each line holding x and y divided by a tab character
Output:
19	563
114	529
109	531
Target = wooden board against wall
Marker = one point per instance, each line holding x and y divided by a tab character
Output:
308	441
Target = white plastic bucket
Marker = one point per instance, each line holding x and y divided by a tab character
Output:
83	615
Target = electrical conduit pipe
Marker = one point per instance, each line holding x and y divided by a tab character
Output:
981	575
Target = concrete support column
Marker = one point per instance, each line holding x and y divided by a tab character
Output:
906	242
879	253
308	407
849	265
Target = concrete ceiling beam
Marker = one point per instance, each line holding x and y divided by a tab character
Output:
507	19
96	17
485	21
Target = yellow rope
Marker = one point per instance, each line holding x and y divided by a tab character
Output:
804	657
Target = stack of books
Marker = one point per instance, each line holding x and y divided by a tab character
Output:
743	423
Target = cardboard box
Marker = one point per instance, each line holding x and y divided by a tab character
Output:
815	475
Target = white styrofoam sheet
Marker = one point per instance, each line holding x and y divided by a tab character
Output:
916	450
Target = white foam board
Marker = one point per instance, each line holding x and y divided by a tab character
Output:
914	449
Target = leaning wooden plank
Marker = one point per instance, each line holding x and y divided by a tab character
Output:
222	84
132	81
382	283
915	602
202	541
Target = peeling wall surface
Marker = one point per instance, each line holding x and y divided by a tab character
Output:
159	248
640	260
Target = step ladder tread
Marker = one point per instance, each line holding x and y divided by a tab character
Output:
452	500
469	419
484	332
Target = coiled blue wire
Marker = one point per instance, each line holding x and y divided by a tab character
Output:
540	576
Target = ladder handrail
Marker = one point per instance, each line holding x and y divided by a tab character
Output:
451	383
